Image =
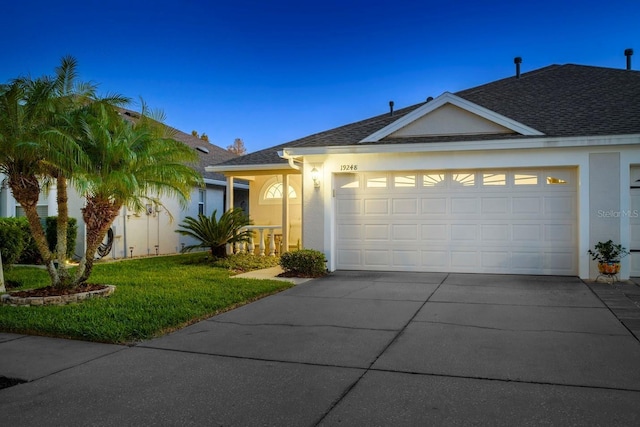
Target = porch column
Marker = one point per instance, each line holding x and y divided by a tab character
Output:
229	206
285	212
229	201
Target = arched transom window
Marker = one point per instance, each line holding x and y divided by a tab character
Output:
274	191
271	192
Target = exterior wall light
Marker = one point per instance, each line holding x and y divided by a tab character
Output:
315	176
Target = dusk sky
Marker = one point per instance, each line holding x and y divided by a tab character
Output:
272	71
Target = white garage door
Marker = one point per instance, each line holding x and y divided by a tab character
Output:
497	221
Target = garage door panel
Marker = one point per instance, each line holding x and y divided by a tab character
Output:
524	262
526	205
350	206
465	206
406	258
495	232
502	226
404	232
350	258
350	232
376	206
495	205
498	260
464	232
559	233
433	205
405	206
562	205
558	261
435	260
527	232
376	257
376	232
434	232
463	259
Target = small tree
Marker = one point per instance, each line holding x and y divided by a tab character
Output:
237	147
214	234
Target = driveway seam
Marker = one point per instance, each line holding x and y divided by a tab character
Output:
502	380
521	330
369	368
620	305
304	326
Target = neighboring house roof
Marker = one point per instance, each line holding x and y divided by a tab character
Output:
208	153
558	101
214	155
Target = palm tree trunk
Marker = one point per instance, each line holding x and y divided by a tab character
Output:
26	191
98	216
62	225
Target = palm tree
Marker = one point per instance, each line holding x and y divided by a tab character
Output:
216	234
130	164
23	118
33	115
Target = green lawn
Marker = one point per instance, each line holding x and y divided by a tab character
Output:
153	296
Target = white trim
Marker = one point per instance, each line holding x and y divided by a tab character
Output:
244	168
224	184
449	98
473	145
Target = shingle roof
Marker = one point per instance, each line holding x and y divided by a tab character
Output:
212	156
567	100
215	155
558	100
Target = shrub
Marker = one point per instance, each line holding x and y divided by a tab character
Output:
215	234
52	234
12	240
304	263
30	253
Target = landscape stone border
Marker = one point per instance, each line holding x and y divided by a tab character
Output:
58	299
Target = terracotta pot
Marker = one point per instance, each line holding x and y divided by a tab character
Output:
609	267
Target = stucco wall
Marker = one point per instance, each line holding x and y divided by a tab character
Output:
604	204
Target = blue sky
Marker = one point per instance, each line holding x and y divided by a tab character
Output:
272	71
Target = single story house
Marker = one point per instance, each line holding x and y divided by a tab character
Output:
518	176
153	231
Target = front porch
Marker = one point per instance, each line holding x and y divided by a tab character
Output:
276	214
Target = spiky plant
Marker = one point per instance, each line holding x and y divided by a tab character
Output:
214	234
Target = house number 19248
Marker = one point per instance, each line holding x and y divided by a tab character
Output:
348	167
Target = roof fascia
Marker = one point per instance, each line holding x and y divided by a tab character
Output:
224	183
253	170
501	144
449	98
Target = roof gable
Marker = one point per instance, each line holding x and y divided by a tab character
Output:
449	115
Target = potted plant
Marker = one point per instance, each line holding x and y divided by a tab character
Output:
608	255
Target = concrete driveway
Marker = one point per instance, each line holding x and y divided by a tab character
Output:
354	348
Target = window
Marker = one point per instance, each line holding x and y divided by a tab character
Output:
465	179
405	181
271	191
202	196
432	180
494	179
552	180
525	179
377	182
274	191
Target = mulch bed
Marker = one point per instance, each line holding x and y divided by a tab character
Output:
50	291
295	274
9	382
